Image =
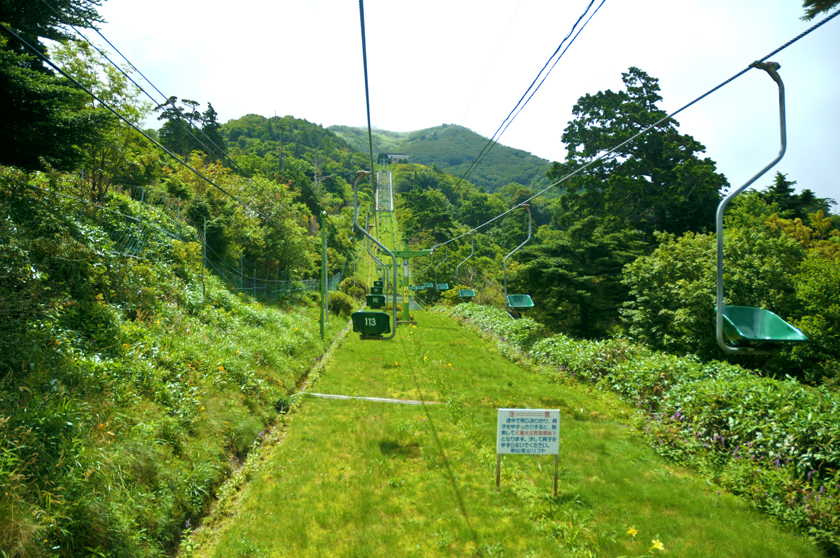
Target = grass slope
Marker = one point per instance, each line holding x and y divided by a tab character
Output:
359	478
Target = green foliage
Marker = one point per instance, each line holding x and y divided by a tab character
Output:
121	156
353	286
673	290
574	277
341	303
656	182
44	116
426	214
815	7
127	395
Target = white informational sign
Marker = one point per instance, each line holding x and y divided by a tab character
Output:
528	432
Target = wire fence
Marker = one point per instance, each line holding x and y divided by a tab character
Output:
147	235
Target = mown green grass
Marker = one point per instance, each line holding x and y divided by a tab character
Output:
358	478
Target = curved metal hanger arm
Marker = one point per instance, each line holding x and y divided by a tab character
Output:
458	269
772	69
515	250
441	261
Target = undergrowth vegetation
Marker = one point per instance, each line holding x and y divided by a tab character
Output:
773	442
130	387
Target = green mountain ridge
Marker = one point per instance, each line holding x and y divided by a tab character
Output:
453	148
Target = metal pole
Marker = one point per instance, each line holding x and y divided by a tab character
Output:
323	271
326	268
203	259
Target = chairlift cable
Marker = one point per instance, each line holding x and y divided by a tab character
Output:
645	130
138	86
511	116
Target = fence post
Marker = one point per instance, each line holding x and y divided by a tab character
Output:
203	260
140	222
323	270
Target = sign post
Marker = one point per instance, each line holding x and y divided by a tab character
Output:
528	432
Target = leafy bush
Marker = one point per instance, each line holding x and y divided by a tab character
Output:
354	287
523	332
341	304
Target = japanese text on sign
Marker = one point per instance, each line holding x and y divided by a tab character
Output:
528	431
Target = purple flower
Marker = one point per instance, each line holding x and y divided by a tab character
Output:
188	523
822	490
777	463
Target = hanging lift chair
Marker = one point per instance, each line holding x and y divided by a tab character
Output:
752	330
441	286
373	324
465	294
516	302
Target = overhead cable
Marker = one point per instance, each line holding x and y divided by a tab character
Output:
219	150
55	66
644	131
514	112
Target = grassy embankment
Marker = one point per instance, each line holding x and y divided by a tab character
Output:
360	478
128	393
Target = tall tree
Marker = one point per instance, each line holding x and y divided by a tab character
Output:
575	277
655	182
43	115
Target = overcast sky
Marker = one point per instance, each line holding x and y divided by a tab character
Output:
469	62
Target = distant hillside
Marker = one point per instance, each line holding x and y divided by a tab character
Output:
453	148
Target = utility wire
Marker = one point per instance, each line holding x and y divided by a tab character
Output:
490	63
645	130
546	75
219	150
53	65
511	116
367	90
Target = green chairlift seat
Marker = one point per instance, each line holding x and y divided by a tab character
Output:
375	300
442	286
379	283
428	286
416	287
519	301
746	326
371	325
468	294
376	290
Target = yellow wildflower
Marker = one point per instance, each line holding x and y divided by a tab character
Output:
657	545
632	532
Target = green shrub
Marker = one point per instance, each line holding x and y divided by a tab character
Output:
353	286
341	304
